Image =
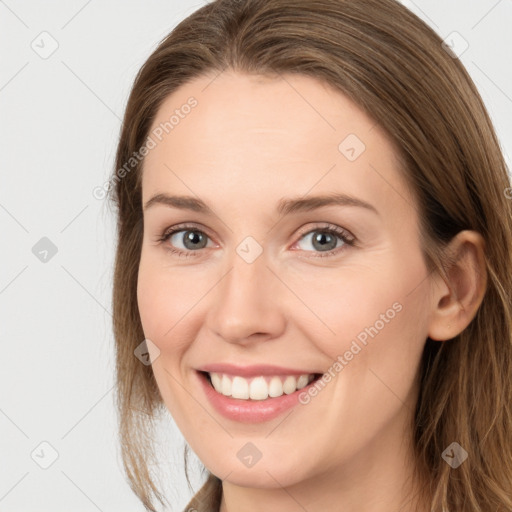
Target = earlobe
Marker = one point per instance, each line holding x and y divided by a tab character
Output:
455	301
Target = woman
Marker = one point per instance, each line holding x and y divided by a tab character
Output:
314	233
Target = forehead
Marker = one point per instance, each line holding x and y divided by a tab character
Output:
289	133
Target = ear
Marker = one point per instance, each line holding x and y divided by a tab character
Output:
455	301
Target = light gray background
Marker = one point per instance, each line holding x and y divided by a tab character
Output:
60	120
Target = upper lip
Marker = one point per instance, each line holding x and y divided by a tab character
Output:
252	370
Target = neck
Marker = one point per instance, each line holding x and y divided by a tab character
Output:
379	478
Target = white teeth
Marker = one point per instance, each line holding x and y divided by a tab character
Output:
240	388
216	380
258	388
302	381
290	385
225	386
275	388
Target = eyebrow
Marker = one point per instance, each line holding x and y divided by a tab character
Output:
284	207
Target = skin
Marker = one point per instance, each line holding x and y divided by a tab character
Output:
250	142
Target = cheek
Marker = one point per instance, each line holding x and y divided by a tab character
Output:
165	296
371	323
358	303
379	327
163	301
152	301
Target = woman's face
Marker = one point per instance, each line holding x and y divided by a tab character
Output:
256	280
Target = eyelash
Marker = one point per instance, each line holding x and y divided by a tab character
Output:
329	228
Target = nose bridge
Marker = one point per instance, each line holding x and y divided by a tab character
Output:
245	300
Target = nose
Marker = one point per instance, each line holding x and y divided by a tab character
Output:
246	304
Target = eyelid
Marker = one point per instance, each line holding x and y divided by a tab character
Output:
184	227
327	226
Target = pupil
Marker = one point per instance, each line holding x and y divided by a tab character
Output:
321	240
194	237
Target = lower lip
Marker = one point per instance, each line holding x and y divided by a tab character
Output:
250	411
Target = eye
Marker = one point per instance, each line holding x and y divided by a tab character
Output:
325	240
184	240
188	240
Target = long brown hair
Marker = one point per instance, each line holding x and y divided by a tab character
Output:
395	68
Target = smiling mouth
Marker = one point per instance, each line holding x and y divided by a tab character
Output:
261	387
